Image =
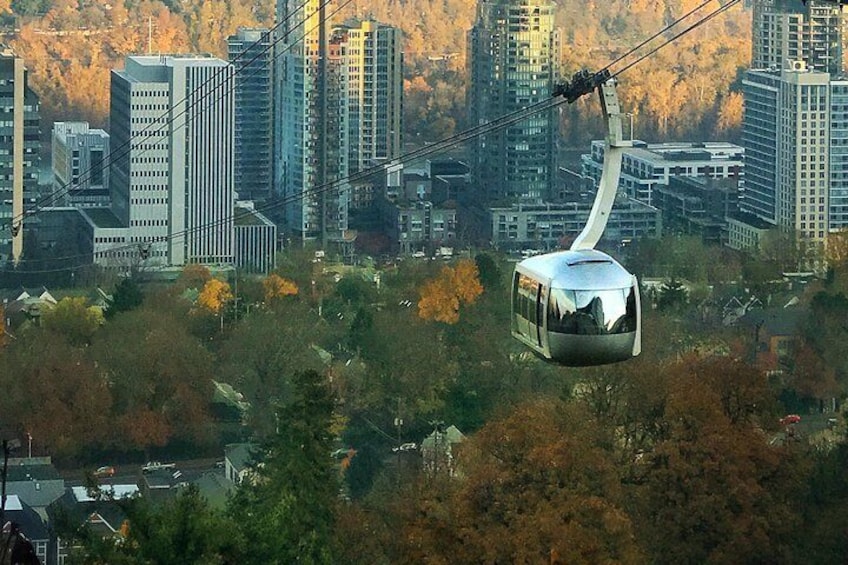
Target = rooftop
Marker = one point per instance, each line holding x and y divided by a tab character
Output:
102	218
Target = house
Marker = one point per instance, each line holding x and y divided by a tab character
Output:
775	331
238	458
32	527
25	305
437	450
102	513
35	481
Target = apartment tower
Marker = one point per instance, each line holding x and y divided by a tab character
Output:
513	64
19	147
251	53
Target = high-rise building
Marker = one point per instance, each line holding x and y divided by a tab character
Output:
80	164
371	65
173	189
251	52
787	140
339	107
19	148
513	63
789	30
311	211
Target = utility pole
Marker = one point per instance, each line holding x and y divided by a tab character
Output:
399	426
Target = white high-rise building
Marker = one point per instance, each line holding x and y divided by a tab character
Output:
173	190
787	140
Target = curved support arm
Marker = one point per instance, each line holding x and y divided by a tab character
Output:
608	186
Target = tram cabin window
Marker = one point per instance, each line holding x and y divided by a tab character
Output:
592	312
526	298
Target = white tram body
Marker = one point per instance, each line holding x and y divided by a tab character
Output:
577	308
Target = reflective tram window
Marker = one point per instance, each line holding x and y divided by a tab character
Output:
526	298
592	312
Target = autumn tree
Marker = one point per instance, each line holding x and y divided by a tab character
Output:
276	287
214	296
55	392
160	378
442	296
710	487
538	486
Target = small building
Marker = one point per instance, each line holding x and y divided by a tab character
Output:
255	240
647	166
35	481
437	450
238	458
745	231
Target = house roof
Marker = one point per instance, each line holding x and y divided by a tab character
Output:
214	487
27	519
36	493
240	455
776	321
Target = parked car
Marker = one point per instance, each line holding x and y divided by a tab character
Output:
790	419
105	471
405	447
151	466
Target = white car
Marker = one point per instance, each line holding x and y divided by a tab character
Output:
151	466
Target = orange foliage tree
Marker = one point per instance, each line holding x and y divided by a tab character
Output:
215	294
276	287
442	296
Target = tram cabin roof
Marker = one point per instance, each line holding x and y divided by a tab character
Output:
587	269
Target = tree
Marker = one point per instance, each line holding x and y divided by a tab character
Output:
74	320
286	508
538	486
710	487
214	296
160	377
184	530
127	296
277	287
442	296
53	391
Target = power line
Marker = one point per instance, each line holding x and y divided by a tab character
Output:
499	123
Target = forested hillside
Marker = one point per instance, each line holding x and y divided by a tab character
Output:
682	91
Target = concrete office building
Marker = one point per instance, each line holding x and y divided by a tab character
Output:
647	166
19	148
80	165
252	55
513	58
173	190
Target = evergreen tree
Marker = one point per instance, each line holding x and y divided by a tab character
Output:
286	506
127	296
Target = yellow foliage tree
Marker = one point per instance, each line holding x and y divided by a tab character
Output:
215	294
442	296
276	287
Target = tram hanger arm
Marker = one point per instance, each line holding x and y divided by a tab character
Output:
615	145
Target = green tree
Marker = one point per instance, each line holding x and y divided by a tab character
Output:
74	320
185	530
127	296
286	508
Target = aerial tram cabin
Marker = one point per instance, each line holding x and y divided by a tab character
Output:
581	307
